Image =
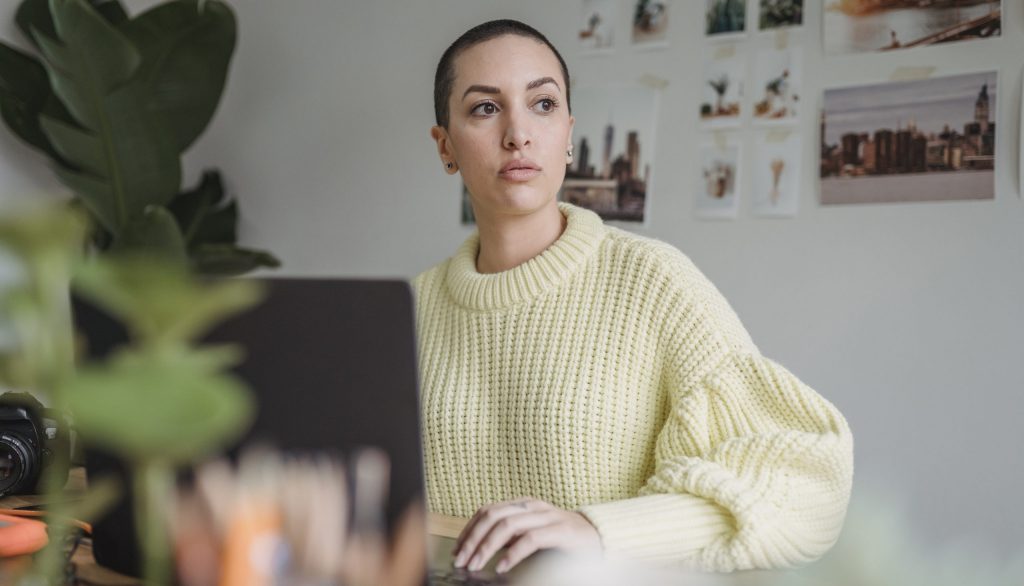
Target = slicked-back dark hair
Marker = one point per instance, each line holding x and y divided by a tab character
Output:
444	78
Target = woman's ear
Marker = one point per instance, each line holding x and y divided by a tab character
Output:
444	149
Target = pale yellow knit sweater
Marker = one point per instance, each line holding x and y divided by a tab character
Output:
609	376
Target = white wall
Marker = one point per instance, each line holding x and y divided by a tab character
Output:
910	317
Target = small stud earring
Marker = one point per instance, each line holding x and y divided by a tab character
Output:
449	165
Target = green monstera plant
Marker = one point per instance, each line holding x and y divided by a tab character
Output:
114	102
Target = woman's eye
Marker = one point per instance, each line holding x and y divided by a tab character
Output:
486	109
546	105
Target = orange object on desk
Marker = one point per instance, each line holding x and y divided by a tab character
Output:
20	536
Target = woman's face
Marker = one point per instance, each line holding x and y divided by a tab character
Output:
509	126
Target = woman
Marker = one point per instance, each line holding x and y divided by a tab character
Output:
585	387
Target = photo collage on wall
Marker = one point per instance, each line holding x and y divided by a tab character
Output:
916	139
752	78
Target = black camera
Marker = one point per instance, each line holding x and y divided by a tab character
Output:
32	438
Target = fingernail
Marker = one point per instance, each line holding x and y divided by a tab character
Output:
476	564
501	567
460	560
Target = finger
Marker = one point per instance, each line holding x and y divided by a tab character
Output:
505	531
482	523
522	504
544	537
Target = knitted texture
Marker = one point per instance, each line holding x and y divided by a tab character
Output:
607	375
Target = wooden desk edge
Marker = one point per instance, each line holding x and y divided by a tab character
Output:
445	525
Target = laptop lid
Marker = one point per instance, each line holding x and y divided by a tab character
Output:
332	366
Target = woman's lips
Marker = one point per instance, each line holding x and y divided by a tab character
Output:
519	170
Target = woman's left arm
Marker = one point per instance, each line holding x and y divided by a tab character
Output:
753	468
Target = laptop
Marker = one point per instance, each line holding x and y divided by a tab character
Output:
333	368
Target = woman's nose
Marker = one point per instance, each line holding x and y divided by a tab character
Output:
517	134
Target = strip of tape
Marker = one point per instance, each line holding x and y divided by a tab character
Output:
777	135
653	81
911	73
720	139
781	39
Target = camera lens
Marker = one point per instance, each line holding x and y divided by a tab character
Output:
17	463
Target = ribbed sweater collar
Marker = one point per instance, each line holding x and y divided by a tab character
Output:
470	288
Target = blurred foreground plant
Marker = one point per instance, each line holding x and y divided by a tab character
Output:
159	402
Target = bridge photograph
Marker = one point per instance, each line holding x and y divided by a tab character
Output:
856	26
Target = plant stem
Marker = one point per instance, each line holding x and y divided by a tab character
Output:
50	276
153	482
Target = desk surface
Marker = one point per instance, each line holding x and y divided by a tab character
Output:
442	530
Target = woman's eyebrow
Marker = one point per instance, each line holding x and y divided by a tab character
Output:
490	89
539	82
484	89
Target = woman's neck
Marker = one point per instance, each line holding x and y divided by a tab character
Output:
508	241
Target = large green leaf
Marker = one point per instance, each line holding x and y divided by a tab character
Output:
25	93
186	50
35	14
228	259
159	408
155	232
209	222
127	160
112	10
202	214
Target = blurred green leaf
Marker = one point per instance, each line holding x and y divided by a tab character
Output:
102	494
151	408
159	301
42	232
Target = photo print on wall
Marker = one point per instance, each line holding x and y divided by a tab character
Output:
924	140
725	18
856	26
467	217
597	26
778	80
613	150
776	169
779	14
722	88
650	23
718	180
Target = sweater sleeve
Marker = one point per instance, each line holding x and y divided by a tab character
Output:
753	469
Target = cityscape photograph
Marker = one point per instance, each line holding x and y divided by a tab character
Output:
613	150
925	140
